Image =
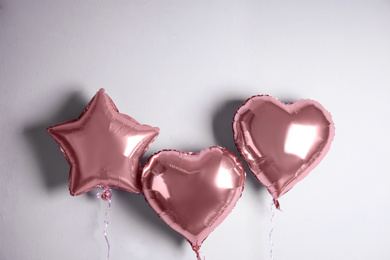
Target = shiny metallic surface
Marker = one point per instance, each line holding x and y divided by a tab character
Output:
193	193
281	142
103	147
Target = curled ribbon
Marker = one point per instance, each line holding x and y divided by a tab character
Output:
272	228
106	195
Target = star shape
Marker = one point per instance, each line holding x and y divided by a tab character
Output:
103	147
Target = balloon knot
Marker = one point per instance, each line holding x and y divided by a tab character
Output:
277	205
196	249
106	195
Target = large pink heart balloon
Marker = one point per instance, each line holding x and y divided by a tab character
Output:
193	193
103	147
282	143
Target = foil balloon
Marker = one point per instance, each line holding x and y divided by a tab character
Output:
103	147
281	142
193	192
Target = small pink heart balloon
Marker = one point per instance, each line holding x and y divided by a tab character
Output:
281	142
193	192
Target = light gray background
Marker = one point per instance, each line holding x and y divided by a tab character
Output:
185	66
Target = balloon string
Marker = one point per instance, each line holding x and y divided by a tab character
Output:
198	257
106	195
272	204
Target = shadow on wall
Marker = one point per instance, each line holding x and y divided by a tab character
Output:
223	133
54	167
139	209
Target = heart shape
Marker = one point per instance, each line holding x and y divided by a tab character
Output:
282	143
193	192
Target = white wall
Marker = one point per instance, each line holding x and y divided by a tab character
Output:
185	66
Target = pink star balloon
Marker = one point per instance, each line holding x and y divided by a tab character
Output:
103	147
281	142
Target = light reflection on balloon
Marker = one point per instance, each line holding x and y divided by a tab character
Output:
160	185
299	140
224	179
132	144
